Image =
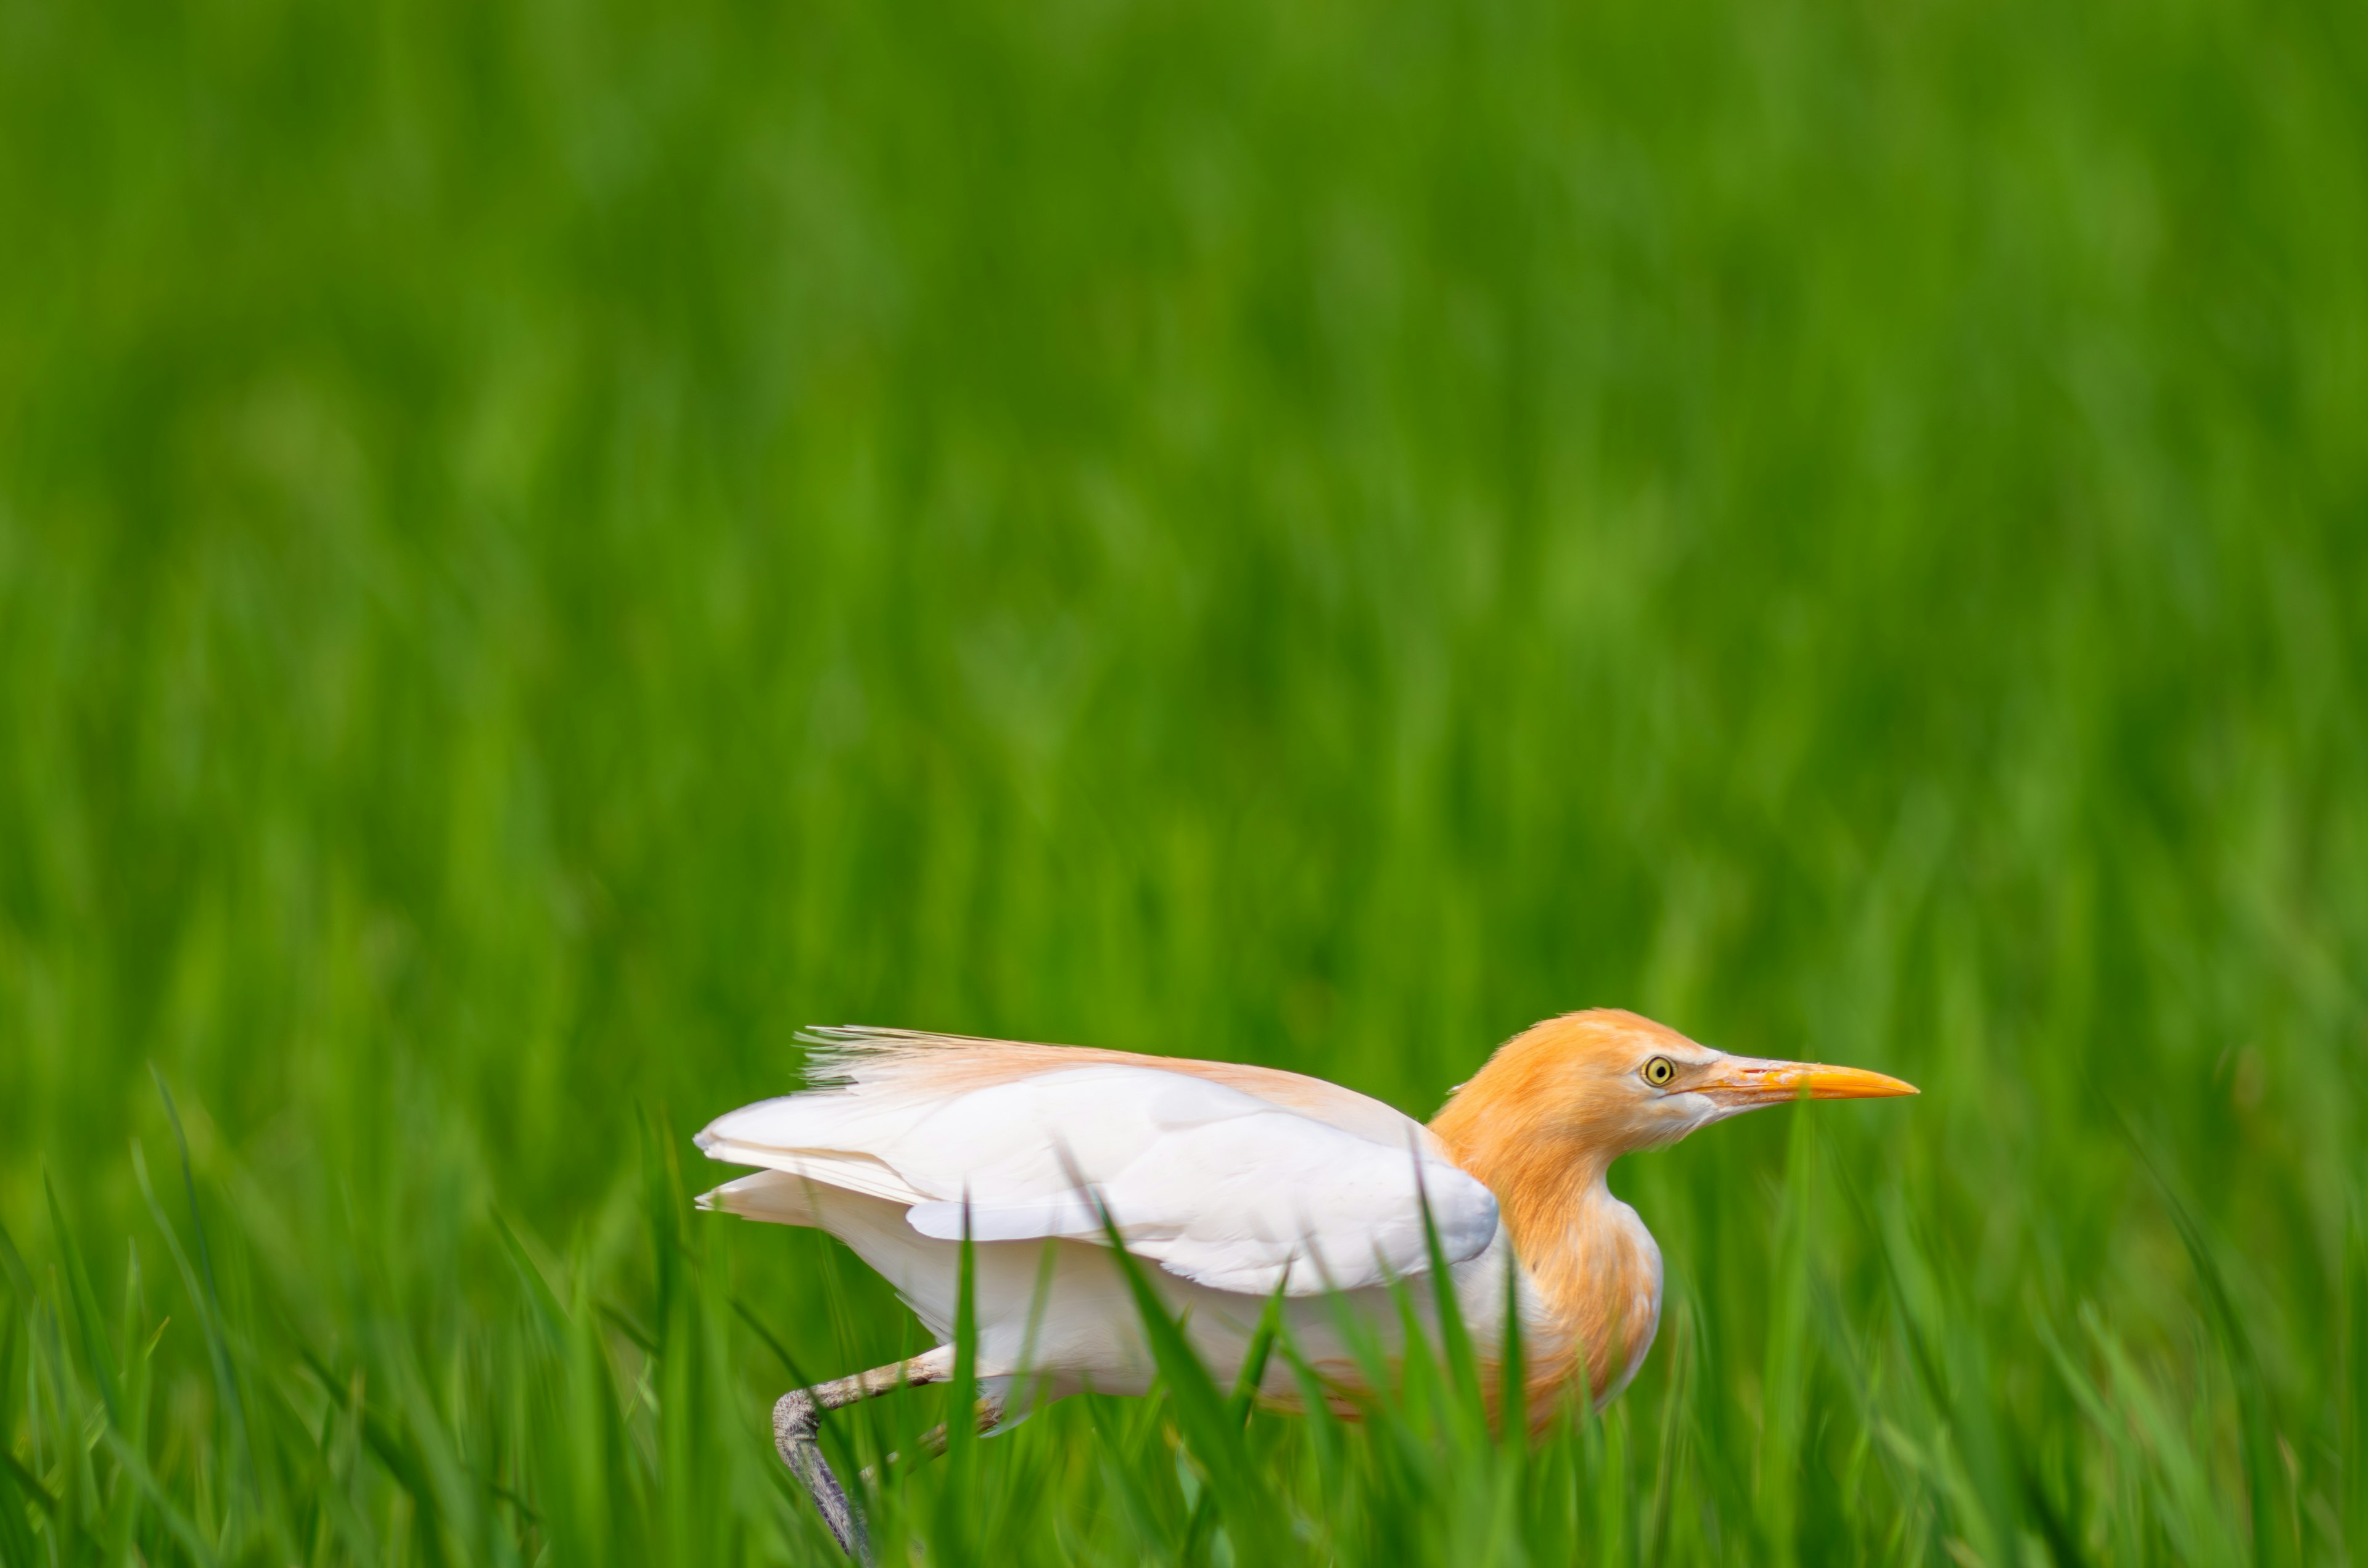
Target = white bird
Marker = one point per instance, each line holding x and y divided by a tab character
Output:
1242	1184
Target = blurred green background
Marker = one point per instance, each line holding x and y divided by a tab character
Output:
543	546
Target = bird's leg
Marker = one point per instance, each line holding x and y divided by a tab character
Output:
797	1419
988	1413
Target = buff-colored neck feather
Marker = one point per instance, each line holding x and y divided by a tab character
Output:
1516	1127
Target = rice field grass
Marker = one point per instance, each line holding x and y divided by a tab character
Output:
543	548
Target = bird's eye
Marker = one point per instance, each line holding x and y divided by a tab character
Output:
1659	1070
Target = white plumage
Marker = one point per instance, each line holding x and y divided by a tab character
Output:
1245	1185
1234	1193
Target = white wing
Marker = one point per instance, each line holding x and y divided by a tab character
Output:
1216	1185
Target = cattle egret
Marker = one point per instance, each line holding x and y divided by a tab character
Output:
1242	1184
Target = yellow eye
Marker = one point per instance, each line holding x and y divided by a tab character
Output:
1659	1070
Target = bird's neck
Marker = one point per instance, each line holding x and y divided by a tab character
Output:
1594	1265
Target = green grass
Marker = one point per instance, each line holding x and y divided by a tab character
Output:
542	548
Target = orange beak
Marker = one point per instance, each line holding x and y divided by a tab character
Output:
1746	1081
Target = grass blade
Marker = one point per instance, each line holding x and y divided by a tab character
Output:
84	1301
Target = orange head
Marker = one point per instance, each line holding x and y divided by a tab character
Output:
1584	1088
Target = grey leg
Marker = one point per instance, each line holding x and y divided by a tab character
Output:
798	1415
988	1413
